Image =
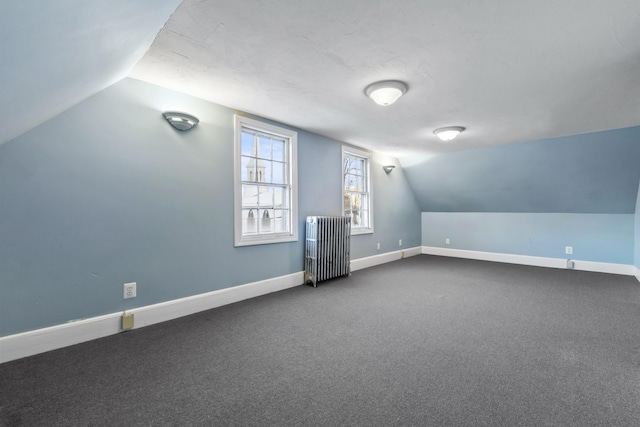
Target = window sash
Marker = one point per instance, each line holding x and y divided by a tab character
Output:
356	190
265	177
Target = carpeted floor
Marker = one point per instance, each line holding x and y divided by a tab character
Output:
418	342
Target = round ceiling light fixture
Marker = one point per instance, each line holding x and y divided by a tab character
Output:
448	133
386	92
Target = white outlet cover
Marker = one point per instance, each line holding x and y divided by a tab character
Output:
129	290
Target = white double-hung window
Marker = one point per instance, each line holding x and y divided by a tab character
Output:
356	189
265	183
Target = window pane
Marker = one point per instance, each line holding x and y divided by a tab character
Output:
352	183
356	206
357	184
281	221
364	210
364	218
265	198
249	196
249	225
355	219
356	201
266	220
278	149
354	167
247	169
280	199
278	173
264	145
266	170
248	140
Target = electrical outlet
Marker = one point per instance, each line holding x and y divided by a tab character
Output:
378	246
400	242
401	254
568	250
129	290
447	241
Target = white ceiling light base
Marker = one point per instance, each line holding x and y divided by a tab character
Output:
386	92
448	133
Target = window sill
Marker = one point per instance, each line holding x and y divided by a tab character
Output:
357	231
265	240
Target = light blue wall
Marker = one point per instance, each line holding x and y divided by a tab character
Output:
590	173
594	237
534	198
107	193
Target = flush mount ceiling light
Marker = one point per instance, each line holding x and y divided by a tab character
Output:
180	121
386	92
448	133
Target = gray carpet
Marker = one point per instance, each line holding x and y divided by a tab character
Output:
422	341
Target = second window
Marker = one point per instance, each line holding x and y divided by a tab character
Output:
356	189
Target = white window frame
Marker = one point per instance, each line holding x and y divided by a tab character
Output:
292	175
354	152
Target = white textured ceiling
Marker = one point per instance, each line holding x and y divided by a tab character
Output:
506	70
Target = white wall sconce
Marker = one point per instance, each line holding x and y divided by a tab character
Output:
180	121
386	92
448	133
388	168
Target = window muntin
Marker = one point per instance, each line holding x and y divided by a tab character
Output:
356	189
265	190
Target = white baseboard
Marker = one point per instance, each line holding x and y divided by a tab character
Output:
638	274
29	343
360	263
600	267
38	341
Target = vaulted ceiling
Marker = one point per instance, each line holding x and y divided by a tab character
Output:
507	71
54	54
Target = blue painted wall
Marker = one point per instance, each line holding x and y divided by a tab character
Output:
107	193
535	198
589	173
594	237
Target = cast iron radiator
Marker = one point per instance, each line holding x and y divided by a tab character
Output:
328	245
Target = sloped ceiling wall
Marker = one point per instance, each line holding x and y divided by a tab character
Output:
54	54
589	173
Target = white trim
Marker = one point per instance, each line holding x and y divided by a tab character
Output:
292	137
638	274
40	340
600	267
29	343
361	263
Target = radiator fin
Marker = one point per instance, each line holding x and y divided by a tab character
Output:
327	249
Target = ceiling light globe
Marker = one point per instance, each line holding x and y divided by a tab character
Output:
448	133
386	92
